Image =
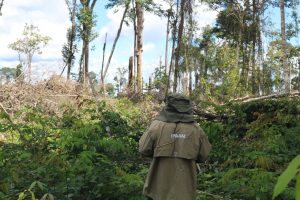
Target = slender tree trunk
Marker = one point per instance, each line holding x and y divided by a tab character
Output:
170	68
253	75
196	73
260	74
139	41
237	59
172	52
87	29
284	53
102	84
81	64
130	73
204	69
190	82
299	74
86	62
134	49
179	44
188	67
149	85
115	42
167	40
29	67
71	38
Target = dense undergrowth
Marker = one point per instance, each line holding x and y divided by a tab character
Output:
251	148
91	152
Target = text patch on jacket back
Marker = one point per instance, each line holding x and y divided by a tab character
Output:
177	140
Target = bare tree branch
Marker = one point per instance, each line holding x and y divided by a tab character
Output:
6	115
1	4
93	4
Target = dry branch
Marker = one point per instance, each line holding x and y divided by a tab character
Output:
7	116
47	94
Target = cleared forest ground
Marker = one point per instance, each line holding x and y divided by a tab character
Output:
58	141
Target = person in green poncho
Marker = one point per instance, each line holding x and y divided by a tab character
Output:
176	143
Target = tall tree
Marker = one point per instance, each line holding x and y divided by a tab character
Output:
70	48
168	14
139	43
134	44
183	4
87	21
285	66
174	21
31	43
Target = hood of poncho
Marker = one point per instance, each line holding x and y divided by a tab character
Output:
179	108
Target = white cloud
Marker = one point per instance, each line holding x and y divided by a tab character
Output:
52	19
154	38
148	47
111	28
204	15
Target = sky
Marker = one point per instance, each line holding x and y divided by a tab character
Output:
52	19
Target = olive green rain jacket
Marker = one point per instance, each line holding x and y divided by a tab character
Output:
176	143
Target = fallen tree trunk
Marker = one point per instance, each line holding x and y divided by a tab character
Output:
251	98
210	115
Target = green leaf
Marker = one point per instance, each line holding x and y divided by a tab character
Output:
297	189
32	195
22	196
41	185
32	185
286	176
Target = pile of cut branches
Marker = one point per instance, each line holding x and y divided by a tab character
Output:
47	94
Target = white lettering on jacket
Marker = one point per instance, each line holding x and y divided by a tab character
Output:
178	136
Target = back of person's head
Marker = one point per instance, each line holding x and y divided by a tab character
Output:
179	103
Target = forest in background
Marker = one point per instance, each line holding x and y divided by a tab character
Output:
245	53
76	137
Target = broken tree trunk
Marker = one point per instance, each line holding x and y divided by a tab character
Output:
115	43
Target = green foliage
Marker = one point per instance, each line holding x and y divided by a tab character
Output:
92	153
250	148
291	171
32	41
86	22
120	78
74	155
245	184
160	78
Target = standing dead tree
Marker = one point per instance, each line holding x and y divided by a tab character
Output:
104	70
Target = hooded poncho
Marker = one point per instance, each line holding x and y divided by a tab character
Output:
176	143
